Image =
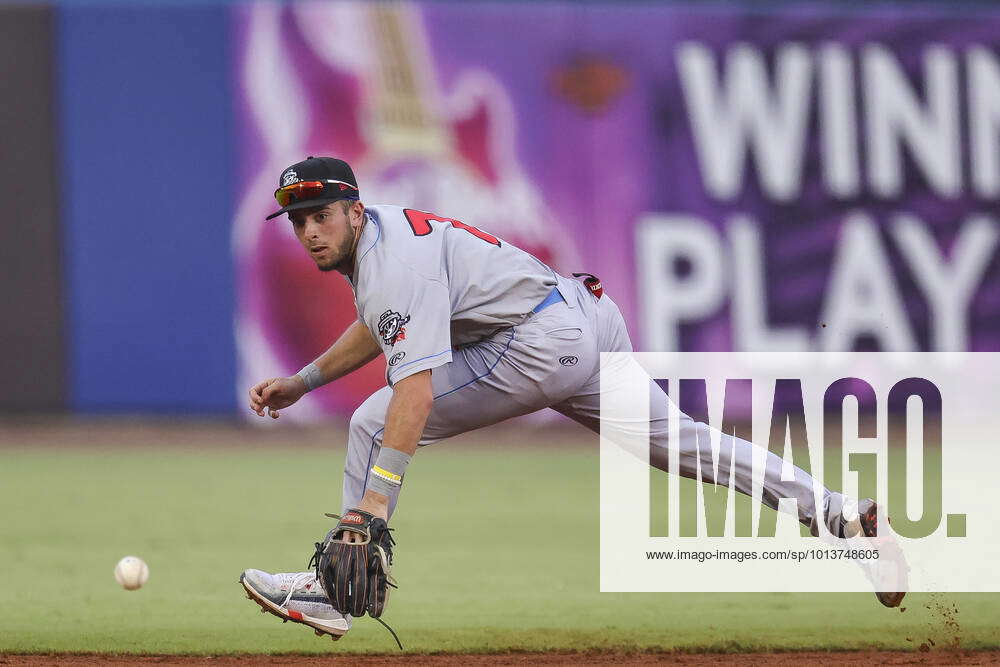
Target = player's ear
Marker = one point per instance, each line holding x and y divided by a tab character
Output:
355	212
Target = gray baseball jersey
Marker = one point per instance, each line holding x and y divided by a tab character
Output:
425	284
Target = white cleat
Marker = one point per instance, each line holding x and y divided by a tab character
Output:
891	573
297	597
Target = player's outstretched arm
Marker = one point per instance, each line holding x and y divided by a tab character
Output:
409	407
353	349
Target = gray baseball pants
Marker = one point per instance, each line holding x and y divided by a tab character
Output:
518	371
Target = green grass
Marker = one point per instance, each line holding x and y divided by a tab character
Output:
497	551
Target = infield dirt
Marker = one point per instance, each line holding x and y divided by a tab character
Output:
776	659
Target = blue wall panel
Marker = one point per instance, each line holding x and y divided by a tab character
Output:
147	201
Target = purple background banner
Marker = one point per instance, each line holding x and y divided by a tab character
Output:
766	181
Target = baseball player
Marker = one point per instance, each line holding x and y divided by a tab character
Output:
474	331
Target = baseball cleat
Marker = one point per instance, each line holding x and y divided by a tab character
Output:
296	597
891	556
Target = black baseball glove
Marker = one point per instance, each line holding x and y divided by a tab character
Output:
356	574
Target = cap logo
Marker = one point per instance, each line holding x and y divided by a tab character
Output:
289	177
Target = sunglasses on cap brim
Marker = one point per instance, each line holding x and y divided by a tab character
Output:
306	190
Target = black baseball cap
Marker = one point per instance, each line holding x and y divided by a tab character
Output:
316	181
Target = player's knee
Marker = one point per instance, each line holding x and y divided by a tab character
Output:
365	422
361	424
369	418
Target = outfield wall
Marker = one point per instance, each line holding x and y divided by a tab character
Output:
789	178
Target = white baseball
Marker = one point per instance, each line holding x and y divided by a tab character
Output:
131	572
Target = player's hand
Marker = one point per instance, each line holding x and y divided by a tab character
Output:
275	394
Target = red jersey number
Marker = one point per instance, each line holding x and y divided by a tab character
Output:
421	226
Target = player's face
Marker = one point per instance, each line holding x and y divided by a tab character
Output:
327	235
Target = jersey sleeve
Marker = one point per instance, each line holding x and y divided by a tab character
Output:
411	320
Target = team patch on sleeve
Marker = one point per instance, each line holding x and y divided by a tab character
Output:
392	327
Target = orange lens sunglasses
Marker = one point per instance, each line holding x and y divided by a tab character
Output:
305	190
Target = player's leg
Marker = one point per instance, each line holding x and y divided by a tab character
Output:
364	438
584	407
843	517
738	470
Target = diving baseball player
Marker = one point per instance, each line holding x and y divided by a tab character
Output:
474	331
